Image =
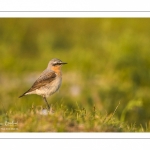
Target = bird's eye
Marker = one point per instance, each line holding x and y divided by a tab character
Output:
55	64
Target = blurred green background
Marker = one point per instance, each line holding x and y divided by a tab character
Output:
108	62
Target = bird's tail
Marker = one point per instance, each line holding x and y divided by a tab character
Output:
26	93
22	95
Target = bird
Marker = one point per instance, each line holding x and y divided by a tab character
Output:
48	82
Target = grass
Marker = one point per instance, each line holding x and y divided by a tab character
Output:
64	120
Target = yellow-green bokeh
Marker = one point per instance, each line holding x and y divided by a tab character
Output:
108	62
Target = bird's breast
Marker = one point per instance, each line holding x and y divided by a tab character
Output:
50	88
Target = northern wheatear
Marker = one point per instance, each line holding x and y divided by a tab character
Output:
48	82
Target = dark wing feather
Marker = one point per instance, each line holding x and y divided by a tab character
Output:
42	81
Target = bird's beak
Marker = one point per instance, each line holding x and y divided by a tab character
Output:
63	63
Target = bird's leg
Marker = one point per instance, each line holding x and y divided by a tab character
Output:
46	102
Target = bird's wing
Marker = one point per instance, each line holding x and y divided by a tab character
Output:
43	80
